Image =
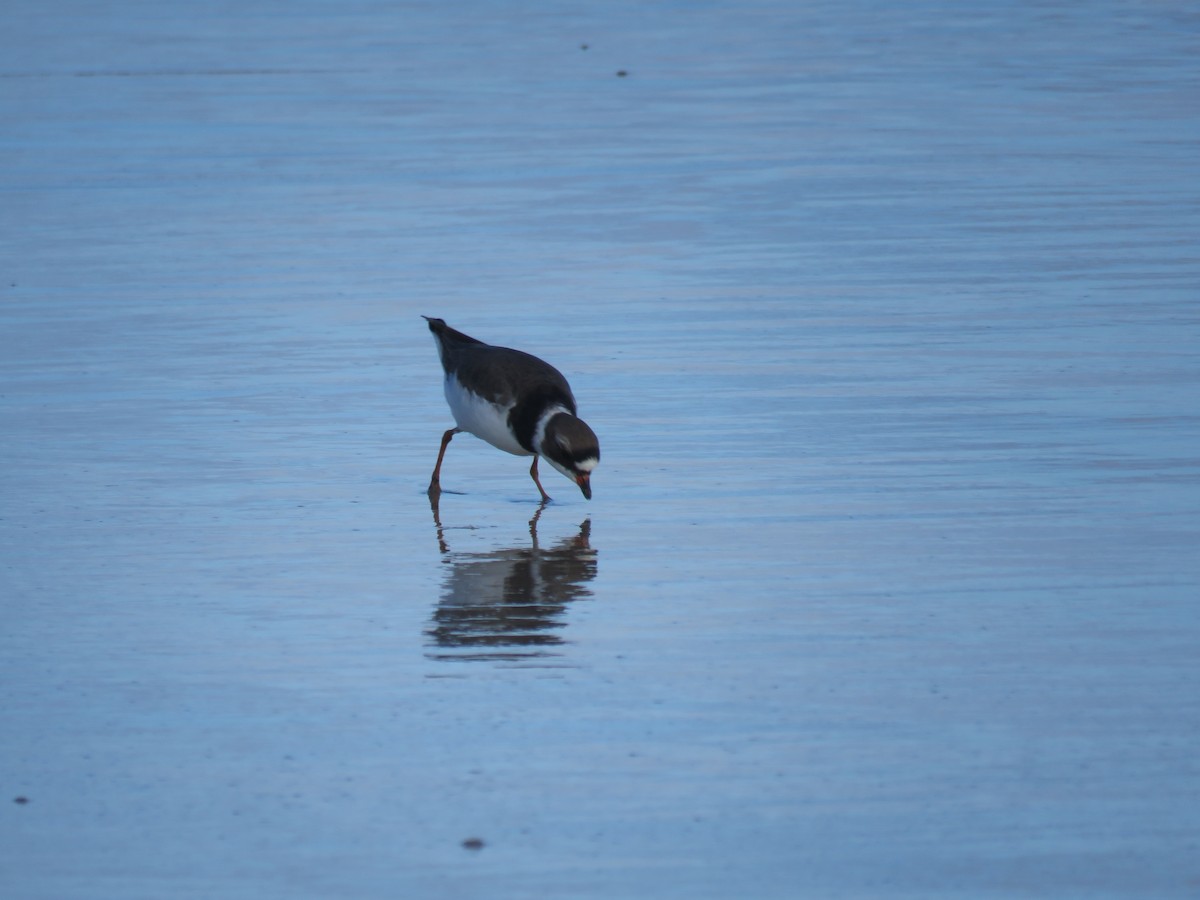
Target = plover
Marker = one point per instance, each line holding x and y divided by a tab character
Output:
517	403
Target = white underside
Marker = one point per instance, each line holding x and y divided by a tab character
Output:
481	418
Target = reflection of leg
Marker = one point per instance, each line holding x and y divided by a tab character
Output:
533	475
435	483
533	522
434	496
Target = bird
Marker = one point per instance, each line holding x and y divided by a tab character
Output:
517	403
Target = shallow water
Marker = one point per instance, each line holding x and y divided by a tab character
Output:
886	318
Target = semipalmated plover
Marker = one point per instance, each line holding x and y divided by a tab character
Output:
517	403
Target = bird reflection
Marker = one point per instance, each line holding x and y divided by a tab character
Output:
509	604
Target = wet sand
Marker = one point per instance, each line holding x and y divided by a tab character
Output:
886	319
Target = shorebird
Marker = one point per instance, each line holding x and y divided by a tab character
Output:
517	403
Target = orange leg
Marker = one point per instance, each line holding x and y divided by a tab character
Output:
533	475
435	483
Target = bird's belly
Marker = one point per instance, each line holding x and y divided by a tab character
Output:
477	416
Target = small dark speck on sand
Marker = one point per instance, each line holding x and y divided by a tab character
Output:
473	844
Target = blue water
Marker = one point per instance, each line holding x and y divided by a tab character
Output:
886	316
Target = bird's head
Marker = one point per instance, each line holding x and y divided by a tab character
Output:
572	447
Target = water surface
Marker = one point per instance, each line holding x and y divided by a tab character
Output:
886	318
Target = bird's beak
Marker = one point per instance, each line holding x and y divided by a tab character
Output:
584	485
